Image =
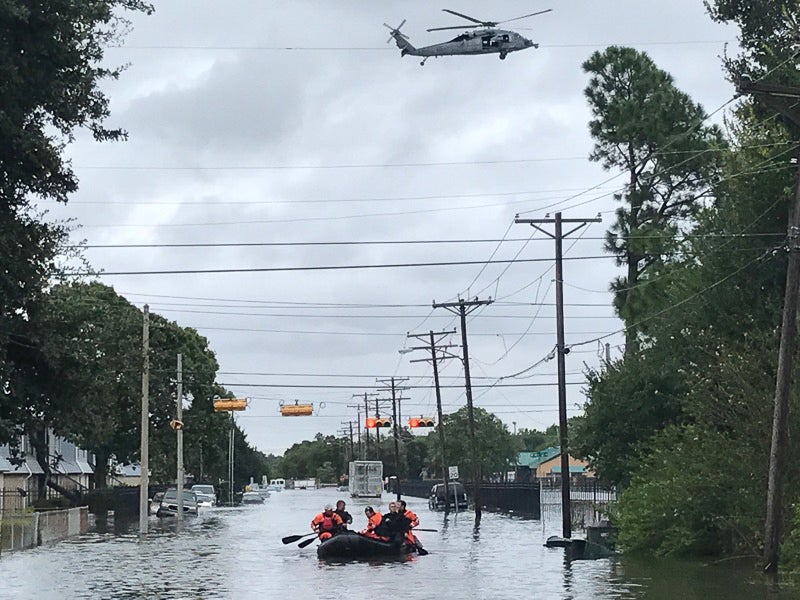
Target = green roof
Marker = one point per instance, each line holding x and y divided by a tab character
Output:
534	459
572	469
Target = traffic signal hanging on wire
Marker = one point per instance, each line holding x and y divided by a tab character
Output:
421	422
373	422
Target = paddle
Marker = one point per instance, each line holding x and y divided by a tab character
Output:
293	538
419	529
305	543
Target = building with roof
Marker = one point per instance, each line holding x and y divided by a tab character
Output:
71	468
547	464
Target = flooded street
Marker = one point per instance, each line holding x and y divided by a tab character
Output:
237	553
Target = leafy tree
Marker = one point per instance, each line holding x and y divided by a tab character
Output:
496	445
630	401
301	461
768	37
532	440
50	77
643	125
49	87
92	360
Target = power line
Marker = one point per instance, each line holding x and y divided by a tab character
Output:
314	268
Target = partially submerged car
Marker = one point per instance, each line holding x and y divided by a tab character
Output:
456	497
206	495
252	498
169	504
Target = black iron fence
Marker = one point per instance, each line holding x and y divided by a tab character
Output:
589	498
582	489
521	498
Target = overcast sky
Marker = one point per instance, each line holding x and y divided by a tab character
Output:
256	122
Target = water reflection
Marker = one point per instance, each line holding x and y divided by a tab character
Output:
237	553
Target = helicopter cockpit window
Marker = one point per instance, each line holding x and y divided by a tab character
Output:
505	37
460	38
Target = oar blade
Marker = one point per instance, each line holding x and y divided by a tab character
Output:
305	543
291	538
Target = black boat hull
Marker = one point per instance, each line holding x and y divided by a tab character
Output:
354	545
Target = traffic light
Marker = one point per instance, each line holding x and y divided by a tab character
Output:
226	404
373	422
420	422
297	410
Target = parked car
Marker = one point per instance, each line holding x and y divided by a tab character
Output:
252	498
169	504
456	497
206	496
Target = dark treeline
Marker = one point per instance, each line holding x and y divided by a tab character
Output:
326	458
682	422
70	353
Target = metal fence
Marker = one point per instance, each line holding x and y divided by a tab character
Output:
13	501
585	489
589	500
519	498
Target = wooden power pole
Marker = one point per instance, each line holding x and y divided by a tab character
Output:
462	308
785	101
561	351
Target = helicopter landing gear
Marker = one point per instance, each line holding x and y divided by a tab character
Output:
502	56
422	63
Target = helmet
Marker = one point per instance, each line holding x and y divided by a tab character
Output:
328	506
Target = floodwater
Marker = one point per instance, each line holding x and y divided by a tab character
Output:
237	553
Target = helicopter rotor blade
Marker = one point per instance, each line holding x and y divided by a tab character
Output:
456	27
541	12
458	14
395	30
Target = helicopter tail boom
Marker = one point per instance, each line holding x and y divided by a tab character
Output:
401	40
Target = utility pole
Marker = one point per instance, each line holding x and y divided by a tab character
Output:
144	459
434	359
231	440
562	350
462	308
359	424
377	432
366	430
783	99
179	431
395	399
352	450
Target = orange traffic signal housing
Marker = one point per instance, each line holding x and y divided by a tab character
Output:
420	422
225	404
297	410
373	422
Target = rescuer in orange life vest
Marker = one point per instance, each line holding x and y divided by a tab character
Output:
326	523
413	521
373	520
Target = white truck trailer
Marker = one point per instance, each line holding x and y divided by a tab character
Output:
366	479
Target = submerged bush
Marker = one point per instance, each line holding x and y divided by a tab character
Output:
694	495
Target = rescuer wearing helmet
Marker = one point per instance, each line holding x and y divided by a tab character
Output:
326	523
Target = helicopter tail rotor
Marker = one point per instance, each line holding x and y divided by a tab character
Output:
395	31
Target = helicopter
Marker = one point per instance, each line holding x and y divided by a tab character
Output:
484	39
